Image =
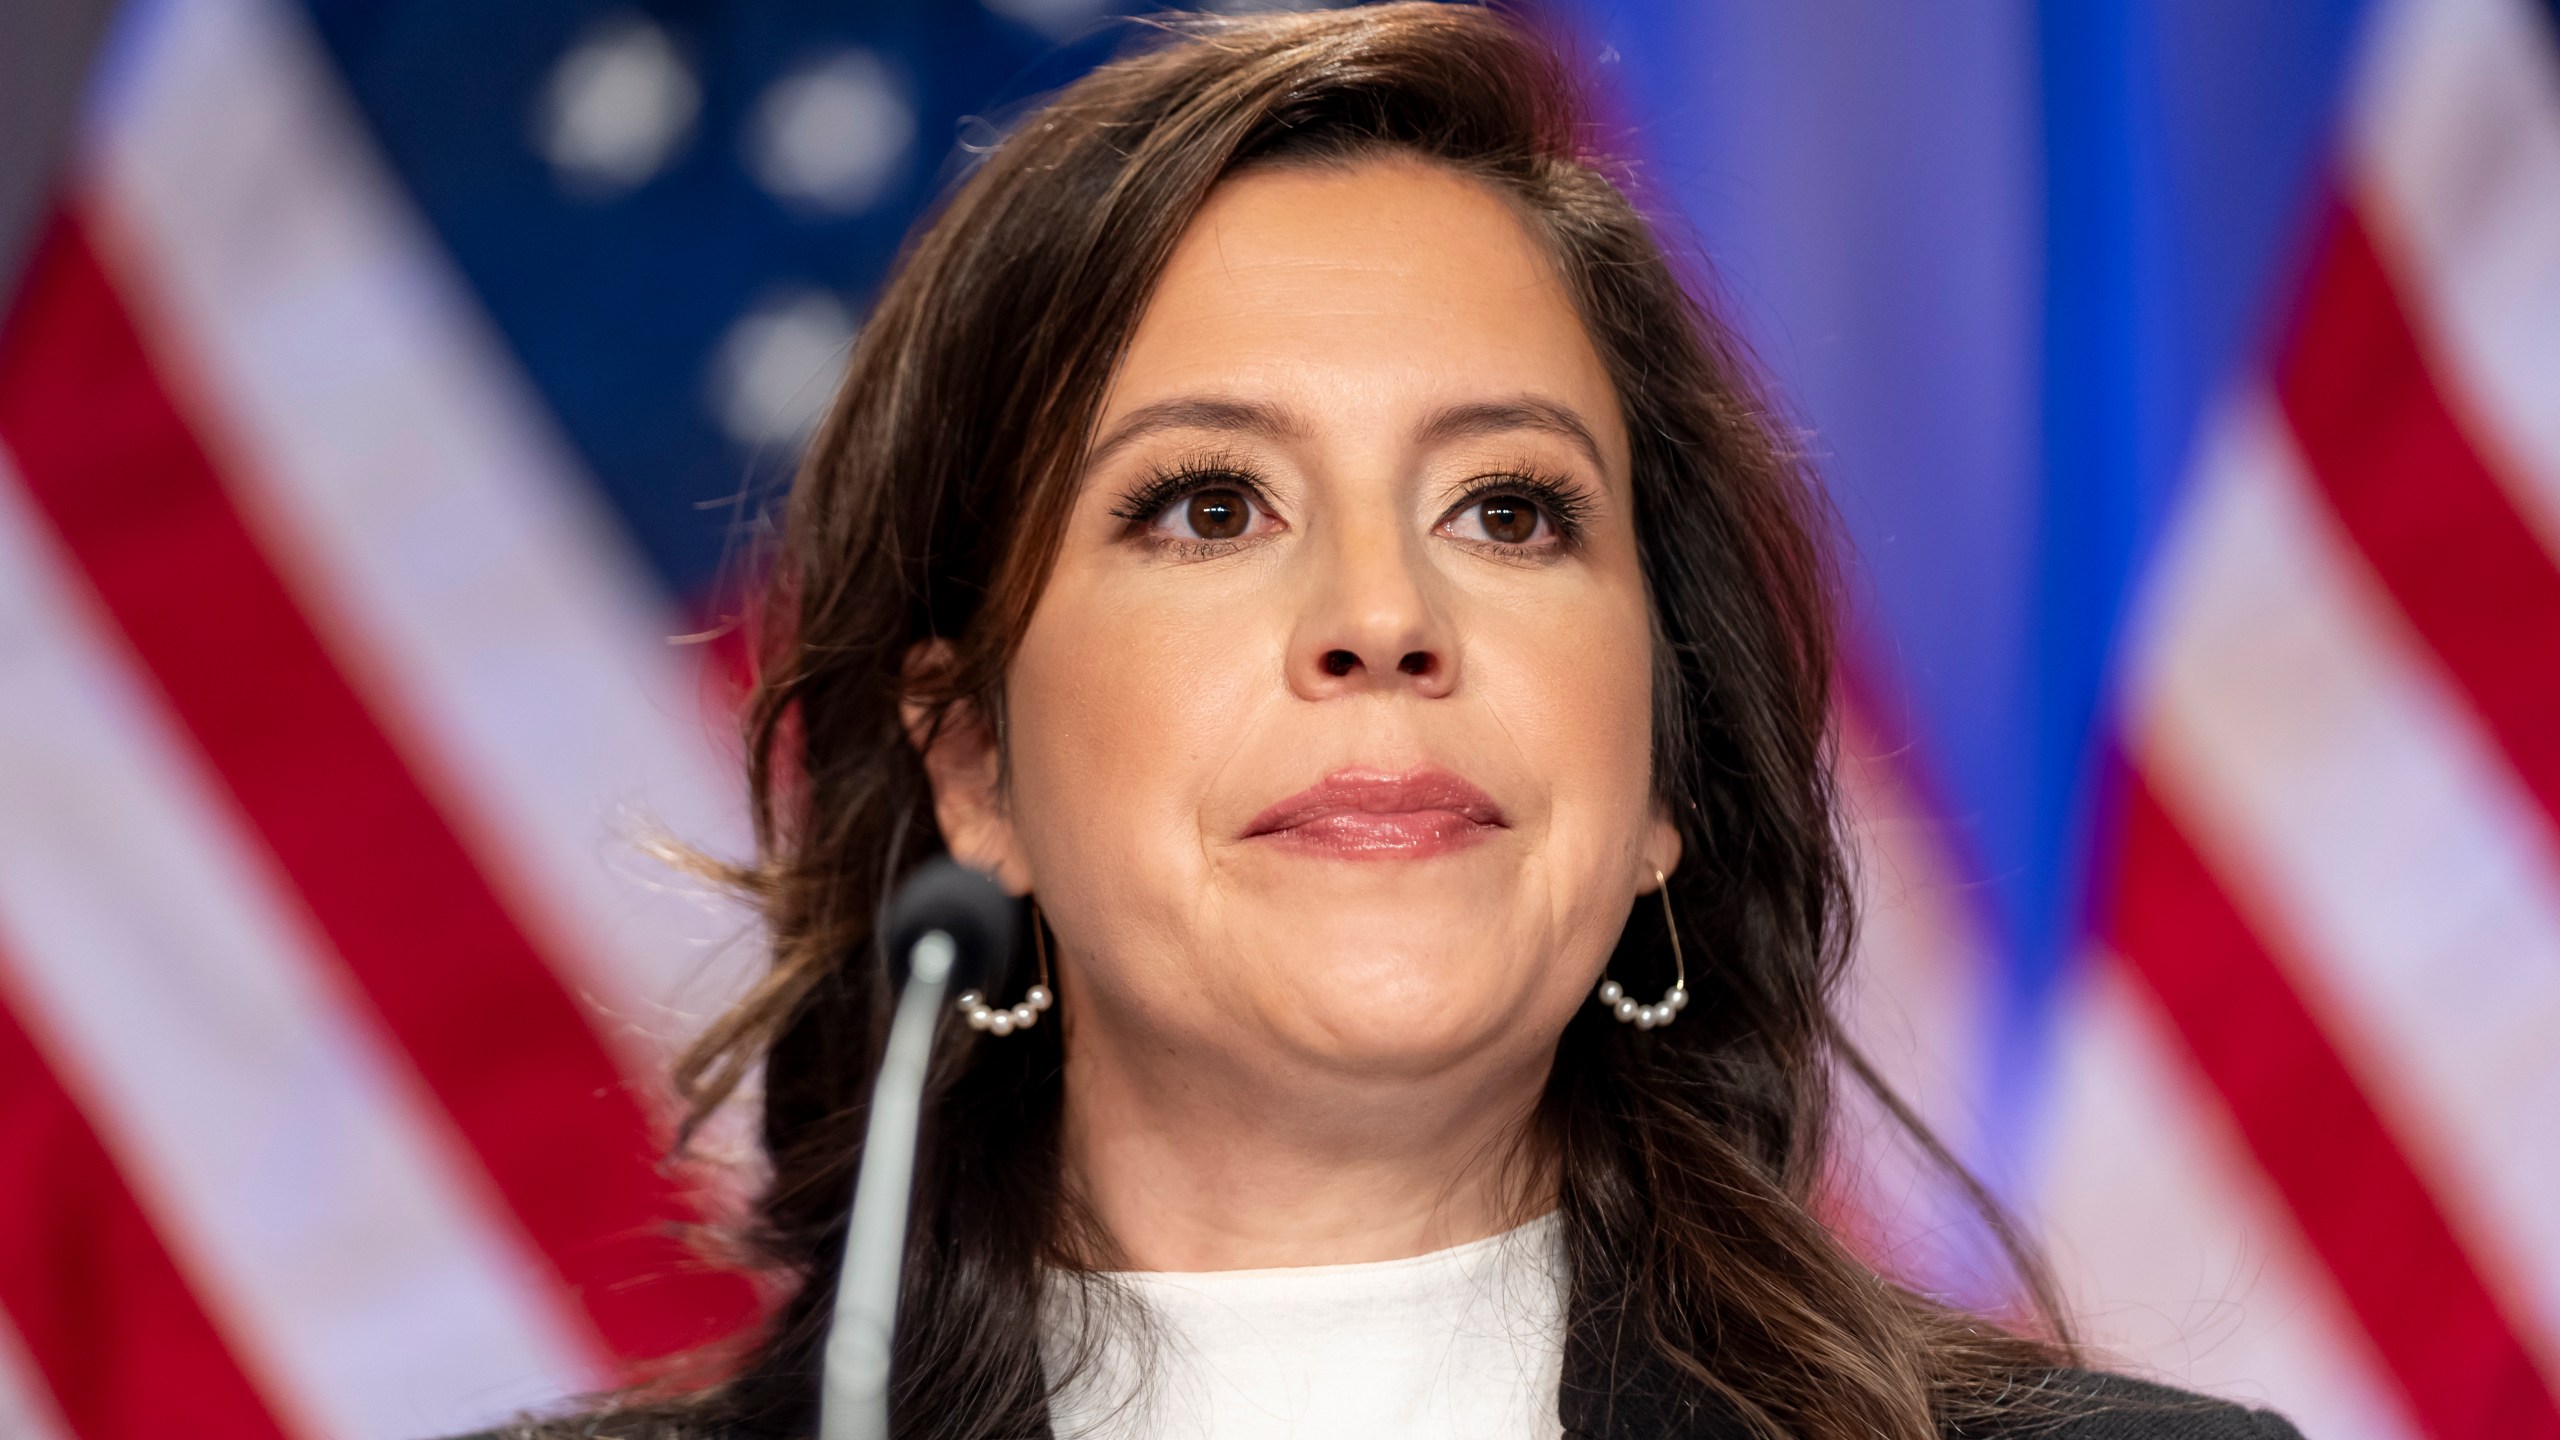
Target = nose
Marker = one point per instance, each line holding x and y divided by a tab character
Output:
1372	624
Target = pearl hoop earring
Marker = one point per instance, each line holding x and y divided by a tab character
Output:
1035	1001
1675	999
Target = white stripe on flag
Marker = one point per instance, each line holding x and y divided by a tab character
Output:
2354	810
2180	1258
337	1234
27	1411
400	473
2454	141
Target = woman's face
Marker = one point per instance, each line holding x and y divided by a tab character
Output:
1329	739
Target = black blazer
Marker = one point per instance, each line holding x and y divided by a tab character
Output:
1615	1392
2065	1405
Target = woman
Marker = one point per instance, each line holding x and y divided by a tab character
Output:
1286	519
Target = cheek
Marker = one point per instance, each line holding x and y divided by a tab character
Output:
1571	684
1122	714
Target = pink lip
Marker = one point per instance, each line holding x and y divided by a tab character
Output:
1364	815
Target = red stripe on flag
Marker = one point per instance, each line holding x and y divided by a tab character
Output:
2426	511
112	1326
2360	1203
111	461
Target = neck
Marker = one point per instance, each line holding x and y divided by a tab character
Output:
1195	1158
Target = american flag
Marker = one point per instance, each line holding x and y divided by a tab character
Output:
375	384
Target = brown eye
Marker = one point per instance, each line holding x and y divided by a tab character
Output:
1218	514
1508	519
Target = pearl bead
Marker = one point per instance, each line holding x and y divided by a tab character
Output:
999	1020
1632	1011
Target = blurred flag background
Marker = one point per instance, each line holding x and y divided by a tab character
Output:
380	380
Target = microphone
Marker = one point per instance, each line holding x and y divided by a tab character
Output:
948	927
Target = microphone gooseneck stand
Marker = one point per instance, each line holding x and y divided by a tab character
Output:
948	927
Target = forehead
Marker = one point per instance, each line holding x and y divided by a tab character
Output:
1353	291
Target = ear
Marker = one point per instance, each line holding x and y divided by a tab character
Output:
965	766
1662	848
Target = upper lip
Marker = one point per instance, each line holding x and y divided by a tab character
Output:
1371	792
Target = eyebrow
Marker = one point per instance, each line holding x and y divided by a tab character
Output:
1250	417
1527	412
1194	412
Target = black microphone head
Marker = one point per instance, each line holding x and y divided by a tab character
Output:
945	895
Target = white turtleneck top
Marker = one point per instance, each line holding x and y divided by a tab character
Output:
1460	1344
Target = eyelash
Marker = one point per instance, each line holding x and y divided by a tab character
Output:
1143	505
1565	505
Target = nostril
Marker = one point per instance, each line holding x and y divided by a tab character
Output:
1415	662
1340	662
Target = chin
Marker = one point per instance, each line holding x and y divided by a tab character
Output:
1401	997
1385	1044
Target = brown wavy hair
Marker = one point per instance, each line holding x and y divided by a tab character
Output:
1685	1160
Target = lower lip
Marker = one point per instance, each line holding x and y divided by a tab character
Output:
1402	835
